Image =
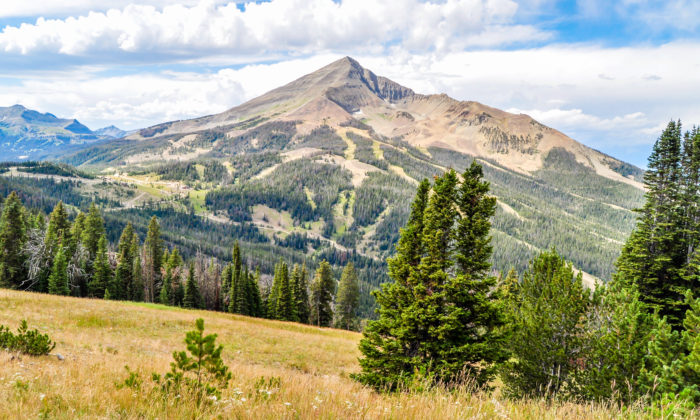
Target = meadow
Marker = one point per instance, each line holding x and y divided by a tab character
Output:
281	370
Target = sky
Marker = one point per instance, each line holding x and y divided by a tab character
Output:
609	73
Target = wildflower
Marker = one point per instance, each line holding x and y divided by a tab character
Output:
41	397
288	404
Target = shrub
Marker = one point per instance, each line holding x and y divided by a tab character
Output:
26	341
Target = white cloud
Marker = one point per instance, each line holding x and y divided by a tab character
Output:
146	32
13	8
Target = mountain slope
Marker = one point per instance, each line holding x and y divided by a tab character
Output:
25	133
326	167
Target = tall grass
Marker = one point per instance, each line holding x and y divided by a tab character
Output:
280	370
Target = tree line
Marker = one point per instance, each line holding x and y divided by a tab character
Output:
73	257
446	320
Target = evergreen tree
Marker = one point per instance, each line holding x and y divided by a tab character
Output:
58	229
102	276
386	363
152	260
165	290
92	231
301	293
235	287
124	276
348	299
285	299
136	290
273	294
58	280
547	328
242	295
322	292
256	301
192	298
76	233
654	255
13	236
614	346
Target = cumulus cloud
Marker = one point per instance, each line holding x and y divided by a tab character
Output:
145	31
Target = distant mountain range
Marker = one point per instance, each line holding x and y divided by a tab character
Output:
29	134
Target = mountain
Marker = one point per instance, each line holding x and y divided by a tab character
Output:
25	133
111	131
326	167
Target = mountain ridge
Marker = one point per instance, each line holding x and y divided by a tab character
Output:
344	90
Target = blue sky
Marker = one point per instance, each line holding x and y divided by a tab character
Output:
610	74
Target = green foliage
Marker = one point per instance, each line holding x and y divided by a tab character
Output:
655	256
439	321
348	299
58	280
192	298
546	321
26	341
12	239
102	276
300	285
322	292
615	340
200	373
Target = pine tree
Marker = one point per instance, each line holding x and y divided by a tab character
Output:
256	300
13	236
273	294
58	229
322	292
92	231
165	291
123	283
301	293
386	364
348	299
547	328
76	233
152	259
654	255
471	339
102	276
58	280
242	295
136	290
614	346
235	285
192	298
285	299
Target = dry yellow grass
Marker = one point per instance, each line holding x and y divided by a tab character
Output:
99	338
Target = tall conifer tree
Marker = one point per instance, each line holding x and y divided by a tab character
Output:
102	276
192	298
348	299
58	280
12	239
322	292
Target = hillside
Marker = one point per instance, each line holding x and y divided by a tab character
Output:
98	338
29	134
326	166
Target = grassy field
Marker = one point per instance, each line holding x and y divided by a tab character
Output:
98	338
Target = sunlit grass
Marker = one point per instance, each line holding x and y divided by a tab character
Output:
98	338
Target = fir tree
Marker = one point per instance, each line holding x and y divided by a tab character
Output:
136	289
243	293
12	239
348	299
614	346
165	291
235	287
92	231
386	363
152	259
654	255
192	298
547	329
58	280
256	300
301	293
273	294
58	229
285	299
102	276
76	233
322	292
123	278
